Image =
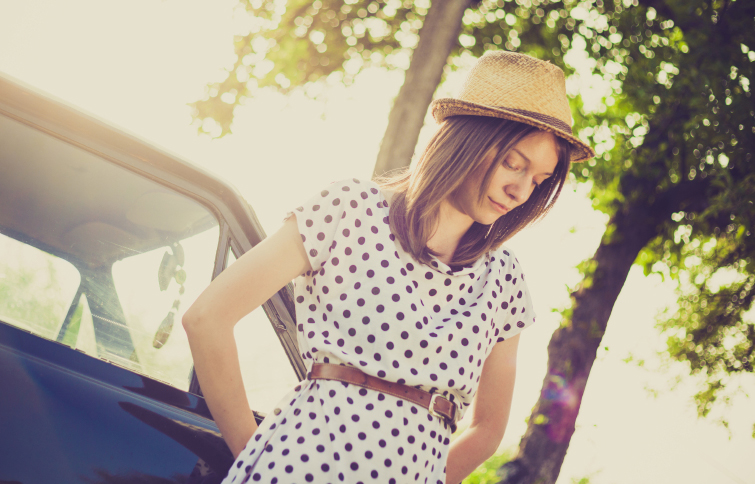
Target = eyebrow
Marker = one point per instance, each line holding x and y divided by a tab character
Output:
529	162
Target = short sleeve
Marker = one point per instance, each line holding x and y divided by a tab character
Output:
516	308
320	217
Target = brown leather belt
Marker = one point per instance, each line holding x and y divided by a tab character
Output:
437	405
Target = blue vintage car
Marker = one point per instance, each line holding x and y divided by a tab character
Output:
104	242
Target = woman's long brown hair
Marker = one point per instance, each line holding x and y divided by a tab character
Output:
457	151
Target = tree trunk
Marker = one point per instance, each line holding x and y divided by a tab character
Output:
571	354
437	37
573	347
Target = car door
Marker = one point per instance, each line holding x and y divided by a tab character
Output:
104	243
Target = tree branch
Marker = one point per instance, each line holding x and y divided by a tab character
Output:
438	36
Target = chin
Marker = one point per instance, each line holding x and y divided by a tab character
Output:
488	220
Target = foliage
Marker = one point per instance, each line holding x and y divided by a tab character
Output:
290	44
583	480
695	68
486	472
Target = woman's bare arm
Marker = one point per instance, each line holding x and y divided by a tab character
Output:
490	413
209	322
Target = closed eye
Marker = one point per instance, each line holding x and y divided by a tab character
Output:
511	167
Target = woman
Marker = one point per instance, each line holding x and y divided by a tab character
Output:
408	307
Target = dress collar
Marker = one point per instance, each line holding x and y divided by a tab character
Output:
470	269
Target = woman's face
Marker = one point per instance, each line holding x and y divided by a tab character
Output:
529	163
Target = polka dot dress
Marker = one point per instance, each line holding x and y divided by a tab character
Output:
368	304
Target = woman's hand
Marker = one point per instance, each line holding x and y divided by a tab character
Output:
490	413
209	322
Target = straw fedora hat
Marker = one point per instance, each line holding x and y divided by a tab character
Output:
520	88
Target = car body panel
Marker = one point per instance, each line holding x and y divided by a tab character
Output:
68	417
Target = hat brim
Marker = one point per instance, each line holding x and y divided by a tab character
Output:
445	107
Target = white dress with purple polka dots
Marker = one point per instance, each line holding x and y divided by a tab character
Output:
368	304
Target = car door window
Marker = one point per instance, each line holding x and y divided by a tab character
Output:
265	369
36	288
155	289
98	257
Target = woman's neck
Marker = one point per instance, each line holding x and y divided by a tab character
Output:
451	227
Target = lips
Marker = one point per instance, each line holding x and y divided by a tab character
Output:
498	206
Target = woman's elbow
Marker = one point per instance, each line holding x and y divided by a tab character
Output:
193	319
490	437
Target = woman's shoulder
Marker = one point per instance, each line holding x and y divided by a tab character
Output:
345	199
360	188
355	183
344	207
504	257
503	251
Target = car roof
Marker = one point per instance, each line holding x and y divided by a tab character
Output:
81	131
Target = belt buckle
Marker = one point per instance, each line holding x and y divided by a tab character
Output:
431	407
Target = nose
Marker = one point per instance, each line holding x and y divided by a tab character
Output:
519	191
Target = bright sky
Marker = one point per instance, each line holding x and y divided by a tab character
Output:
136	64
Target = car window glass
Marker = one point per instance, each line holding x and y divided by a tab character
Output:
36	288
265	369
154	304
98	257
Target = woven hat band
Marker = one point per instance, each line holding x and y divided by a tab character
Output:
543	118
